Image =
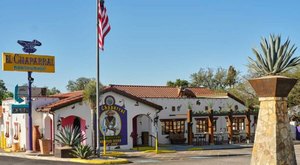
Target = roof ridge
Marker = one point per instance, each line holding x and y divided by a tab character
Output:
66	94
157	86
200	87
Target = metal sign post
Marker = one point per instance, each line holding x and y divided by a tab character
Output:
30	81
28	47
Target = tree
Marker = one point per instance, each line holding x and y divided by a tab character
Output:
178	83
79	84
294	95
52	91
214	80
4	93
245	92
203	78
220	78
89	96
232	76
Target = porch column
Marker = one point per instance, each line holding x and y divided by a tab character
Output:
211	126
190	127
248	123
229	126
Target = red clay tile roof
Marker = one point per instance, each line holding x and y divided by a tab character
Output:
65	95
65	100
163	91
123	93
172	92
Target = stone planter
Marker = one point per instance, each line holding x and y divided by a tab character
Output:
45	146
63	152
273	86
273	143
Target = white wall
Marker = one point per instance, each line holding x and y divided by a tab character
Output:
181	109
132	111
145	123
80	109
22	119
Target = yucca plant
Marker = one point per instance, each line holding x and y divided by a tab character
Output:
275	58
82	151
69	136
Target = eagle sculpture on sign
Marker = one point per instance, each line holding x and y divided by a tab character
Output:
28	46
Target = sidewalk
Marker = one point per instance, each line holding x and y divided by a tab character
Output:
206	147
181	151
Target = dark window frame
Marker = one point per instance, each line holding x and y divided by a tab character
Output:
172	126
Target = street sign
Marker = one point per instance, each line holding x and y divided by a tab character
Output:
35	92
28	63
22	108
16	95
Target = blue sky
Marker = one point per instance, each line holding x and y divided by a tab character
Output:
150	42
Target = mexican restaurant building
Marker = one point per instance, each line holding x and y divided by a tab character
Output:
135	115
214	118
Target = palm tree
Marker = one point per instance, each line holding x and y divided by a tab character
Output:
275	58
89	96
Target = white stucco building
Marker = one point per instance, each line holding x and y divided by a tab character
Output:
134	115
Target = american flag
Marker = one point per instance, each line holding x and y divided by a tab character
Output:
103	24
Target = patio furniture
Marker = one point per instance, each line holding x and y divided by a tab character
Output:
202	139
218	138
235	136
177	138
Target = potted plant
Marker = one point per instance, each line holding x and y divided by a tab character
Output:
273	144
45	145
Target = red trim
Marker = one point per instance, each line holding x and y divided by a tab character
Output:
67	121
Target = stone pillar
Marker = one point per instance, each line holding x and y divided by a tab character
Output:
273	143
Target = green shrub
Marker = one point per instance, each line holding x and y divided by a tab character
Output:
69	136
82	151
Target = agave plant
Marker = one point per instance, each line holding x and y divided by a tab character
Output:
82	151
69	136
275	58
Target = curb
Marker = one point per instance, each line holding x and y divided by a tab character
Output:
75	160
99	161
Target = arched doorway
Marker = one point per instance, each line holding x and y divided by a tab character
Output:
48	129
141	131
75	121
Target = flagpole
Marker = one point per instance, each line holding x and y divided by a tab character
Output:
97	84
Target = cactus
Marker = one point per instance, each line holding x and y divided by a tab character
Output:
275	58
